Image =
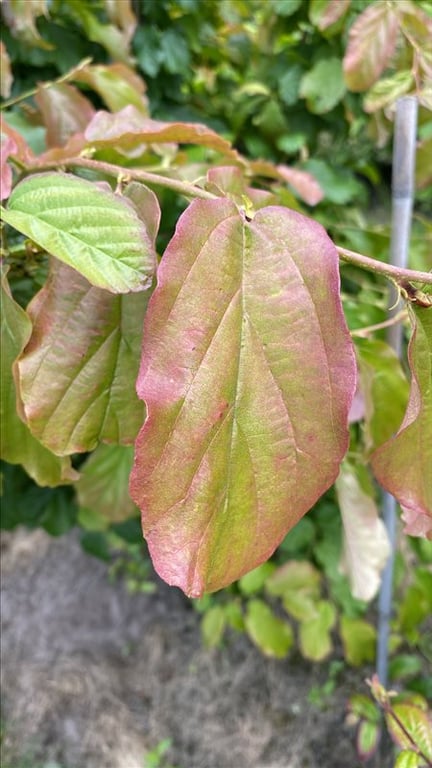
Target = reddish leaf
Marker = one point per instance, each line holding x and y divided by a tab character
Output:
403	465
305	185
129	128
326	13
248	374
371	44
78	370
121	14
65	111
17	444
23	151
8	147
416	523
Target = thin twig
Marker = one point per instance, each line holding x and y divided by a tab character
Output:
363	332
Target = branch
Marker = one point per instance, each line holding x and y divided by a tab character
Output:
182	187
398	275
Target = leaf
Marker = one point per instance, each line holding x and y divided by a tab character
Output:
304	184
408	759
121	14
416	722
388	90
20	16
358	638
325	13
77	373
367	740
385	390
18	446
129	128
93	230
213	626
117	84
6	78
248	374
273	636
403	465
8	147
323	86
103	483
295	576
65	111
371	44
314	633
366	545
255	580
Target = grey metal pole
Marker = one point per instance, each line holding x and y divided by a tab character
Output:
403	178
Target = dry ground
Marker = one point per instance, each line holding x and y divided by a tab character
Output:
93	677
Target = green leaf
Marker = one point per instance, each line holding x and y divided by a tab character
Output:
295	576
117	84
385	390
363	707
358	638
314	634
388	90
103	484
366	545
213	626
18	446
323	86
416	722
93	230
404	666
273	636
403	465
77	373
255	580
371	44
247	387
367	739
408	759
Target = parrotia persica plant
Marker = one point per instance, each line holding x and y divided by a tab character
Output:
220	373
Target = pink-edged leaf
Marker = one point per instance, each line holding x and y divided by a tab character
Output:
403	464
371	44
17	444
248	374
117	84
417	523
23	151
303	182
366	546
8	147
6	78
121	14
129	128
78	370
65	111
147	207
325	13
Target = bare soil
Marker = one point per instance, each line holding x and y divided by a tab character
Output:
94	677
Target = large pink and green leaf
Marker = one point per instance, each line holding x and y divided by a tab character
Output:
95	231
403	464
17	444
248	373
77	373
